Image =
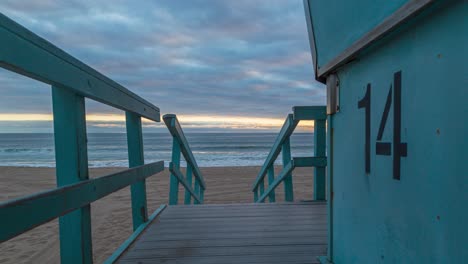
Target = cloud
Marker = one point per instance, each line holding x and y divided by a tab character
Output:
223	58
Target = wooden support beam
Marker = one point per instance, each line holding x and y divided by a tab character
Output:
310	113
174	181
286	131
71	156
271	179
176	131
197	189
135	159
319	149
286	170
189	178
176	172
288	183
319	162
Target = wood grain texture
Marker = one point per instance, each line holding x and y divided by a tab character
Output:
234	233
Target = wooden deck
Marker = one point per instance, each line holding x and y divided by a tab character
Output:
234	233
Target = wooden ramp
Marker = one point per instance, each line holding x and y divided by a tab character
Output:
234	233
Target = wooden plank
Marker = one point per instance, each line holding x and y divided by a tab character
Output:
175	129
231	242
286	131
294	258
310	161
274	238
71	157
169	229
135	159
51	204
225	251
28	54
187	211
310	113
129	241
175	171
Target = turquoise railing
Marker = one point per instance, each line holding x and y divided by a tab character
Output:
180	145
72	81
282	144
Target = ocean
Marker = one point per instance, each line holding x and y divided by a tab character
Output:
110	149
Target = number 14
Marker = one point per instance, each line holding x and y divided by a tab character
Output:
385	148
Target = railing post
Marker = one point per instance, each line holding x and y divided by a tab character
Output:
255	194
136	158
197	190
319	151
72	166
202	195
288	183
271	178
174	182
189	177
262	187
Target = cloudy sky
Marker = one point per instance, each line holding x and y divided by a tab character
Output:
219	65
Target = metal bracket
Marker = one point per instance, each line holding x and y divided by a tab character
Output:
333	94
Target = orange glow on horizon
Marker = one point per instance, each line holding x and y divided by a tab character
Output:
202	121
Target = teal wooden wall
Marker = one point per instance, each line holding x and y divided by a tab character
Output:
423	216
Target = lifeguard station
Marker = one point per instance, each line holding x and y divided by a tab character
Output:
397	91
390	185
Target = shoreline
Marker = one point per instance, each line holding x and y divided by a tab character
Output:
111	215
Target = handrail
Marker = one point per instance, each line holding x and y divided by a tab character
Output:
51	204
30	55
180	145
282	144
71	81
286	131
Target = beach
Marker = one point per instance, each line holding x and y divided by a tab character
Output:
111	215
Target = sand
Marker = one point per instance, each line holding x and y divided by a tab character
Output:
111	216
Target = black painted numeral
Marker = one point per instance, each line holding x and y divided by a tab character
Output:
399	149
365	102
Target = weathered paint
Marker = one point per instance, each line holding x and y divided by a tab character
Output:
71	157
136	158
420	216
